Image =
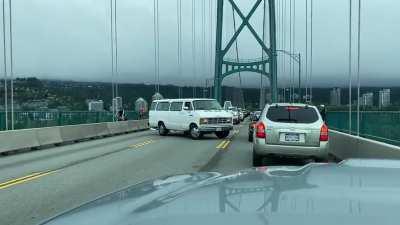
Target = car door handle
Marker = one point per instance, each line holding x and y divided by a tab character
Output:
190	115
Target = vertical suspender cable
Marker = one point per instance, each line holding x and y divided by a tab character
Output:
358	66
306	66
350	67
112	56
262	95
311	50
194	46
291	48
156	46
179	52
277	9
211	41
283	47
203	43
11	64
284	44
155	43
5	67
116	48
237	57
294	44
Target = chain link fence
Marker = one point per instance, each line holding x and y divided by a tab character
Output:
36	119
377	125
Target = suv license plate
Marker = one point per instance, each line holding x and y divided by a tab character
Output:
292	137
219	129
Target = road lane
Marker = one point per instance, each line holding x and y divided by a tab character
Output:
236	156
67	182
15	166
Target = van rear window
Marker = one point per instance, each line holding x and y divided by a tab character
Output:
292	114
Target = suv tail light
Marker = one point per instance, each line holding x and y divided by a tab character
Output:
324	135
260	130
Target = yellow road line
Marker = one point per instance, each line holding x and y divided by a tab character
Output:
138	145
226	144
24	179
221	144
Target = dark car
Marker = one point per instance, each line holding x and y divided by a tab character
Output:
352	192
253	120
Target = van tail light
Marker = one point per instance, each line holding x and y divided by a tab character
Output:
324	135
260	130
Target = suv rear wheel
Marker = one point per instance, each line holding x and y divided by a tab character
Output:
194	132
222	134
162	130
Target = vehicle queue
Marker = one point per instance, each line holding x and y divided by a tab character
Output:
279	130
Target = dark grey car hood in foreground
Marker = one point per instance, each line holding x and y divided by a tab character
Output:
352	192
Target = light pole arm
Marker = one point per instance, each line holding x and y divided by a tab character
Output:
295	57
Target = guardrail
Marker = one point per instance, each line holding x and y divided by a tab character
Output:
377	125
37	119
345	146
38	137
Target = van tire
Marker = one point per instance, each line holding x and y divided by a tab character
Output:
162	130
222	134
194	133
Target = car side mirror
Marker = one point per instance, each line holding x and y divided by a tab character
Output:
185	108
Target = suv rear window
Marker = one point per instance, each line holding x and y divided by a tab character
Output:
292	114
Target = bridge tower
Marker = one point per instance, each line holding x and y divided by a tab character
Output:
266	66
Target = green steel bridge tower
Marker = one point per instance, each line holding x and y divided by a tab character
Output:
265	66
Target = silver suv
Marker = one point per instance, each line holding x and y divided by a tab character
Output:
292	130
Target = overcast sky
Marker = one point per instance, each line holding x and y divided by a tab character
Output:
70	39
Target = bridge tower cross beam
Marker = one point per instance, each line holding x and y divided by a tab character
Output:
221	51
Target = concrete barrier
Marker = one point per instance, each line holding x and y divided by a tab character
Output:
77	132
48	136
18	139
31	138
345	146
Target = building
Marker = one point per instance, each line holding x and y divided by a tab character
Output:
384	98
367	99
96	106
335	96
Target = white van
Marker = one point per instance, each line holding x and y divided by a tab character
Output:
195	117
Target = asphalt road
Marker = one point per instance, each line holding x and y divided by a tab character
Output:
40	184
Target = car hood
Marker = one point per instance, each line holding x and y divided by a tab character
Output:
352	192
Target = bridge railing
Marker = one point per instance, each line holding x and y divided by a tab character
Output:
38	119
376	125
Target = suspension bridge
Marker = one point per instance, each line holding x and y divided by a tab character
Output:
62	159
